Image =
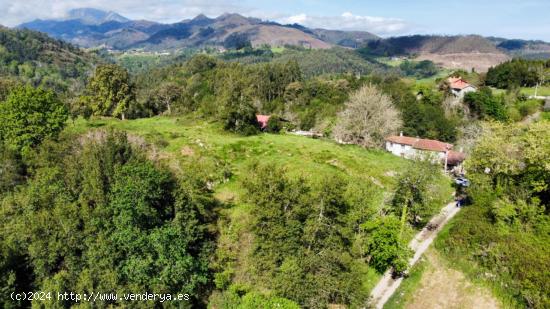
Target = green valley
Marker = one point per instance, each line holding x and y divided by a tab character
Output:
232	162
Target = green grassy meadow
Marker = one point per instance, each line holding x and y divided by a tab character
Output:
187	140
300	155
390	62
529	91
473	271
190	141
277	50
431	81
543	91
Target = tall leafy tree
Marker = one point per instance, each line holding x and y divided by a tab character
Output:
426	118
385	245
412	197
302	240
237	112
109	92
29	115
517	73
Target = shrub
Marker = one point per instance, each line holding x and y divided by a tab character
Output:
529	107
274	125
385	246
486	106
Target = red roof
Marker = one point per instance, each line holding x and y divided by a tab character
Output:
262	120
433	145
458	83
405	140
420	143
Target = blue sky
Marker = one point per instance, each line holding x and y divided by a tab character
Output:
528	19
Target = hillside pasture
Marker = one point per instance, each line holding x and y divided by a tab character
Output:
542	91
226	158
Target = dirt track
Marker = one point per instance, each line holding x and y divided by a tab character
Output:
442	287
387	285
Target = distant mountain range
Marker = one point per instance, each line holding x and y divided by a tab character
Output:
91	27
88	27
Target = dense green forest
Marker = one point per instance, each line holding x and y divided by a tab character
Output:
503	236
519	73
35	58
132	176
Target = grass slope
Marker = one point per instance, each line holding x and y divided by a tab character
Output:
311	157
226	159
466	243
433	282
543	91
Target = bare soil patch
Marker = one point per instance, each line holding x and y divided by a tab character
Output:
442	287
481	62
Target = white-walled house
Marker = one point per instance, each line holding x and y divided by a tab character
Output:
459	87
419	148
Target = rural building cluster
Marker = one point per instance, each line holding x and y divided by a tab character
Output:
419	148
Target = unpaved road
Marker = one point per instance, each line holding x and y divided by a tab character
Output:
387	285
442	287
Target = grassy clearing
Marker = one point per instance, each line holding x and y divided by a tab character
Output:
497	91
543	91
392	62
310	157
191	140
432	81
435	283
277	50
200	142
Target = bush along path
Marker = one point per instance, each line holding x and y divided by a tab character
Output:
388	284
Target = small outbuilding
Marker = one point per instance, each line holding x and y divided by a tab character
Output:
262	120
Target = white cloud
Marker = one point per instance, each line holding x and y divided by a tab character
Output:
349	21
296	19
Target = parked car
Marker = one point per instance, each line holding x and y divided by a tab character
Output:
463	182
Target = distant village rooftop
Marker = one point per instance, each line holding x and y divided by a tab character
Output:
458	83
459	86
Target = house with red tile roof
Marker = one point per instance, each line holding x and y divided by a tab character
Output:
459	86
419	148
